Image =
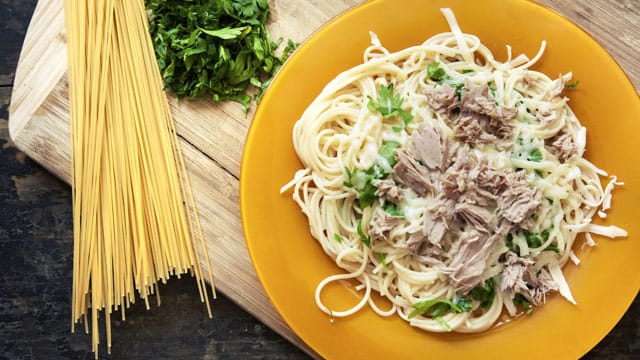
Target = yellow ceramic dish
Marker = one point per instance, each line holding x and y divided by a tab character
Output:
290	263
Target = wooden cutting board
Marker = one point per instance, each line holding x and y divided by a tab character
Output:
213	136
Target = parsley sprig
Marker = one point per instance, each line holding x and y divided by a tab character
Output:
390	105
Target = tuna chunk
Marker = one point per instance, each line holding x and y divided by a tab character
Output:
512	276
519	200
481	119
518	277
442	98
429	146
424	251
468	257
469	130
562	146
382	223
412	173
388	190
477	100
478	217
433	230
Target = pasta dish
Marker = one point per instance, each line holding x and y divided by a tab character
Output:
452	184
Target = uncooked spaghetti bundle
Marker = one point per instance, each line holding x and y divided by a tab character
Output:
135	218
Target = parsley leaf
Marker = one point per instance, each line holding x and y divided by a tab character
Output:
382	258
573	85
535	155
553	248
521	302
338	238
434	308
226	33
484	293
389	104
439	75
435	72
392	209
366	240
535	240
463	303
388	152
442	323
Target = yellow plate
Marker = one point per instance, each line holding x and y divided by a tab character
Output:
289	261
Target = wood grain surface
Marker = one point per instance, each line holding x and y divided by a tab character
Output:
213	136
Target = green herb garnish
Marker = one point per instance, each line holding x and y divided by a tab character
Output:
382	258
463	303
484	293
535	155
392	209
435	72
572	85
438	74
520	301
433	308
215	47
338	238
535	240
553	248
388	152
361	180
366	240
389	105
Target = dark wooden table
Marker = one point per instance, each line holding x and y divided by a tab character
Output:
36	265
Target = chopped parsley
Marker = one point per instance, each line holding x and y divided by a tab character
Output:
439	75
437	307
390	105
392	209
219	48
361	180
388	152
382	258
434	308
535	155
572	85
528	150
553	248
534	240
338	238
463	303
435	72
521	302
366	240
484	293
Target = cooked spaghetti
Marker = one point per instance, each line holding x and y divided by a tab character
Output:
135	221
449	182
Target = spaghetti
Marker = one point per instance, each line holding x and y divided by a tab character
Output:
452	184
135	218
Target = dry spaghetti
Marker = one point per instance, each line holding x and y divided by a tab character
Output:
135	218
